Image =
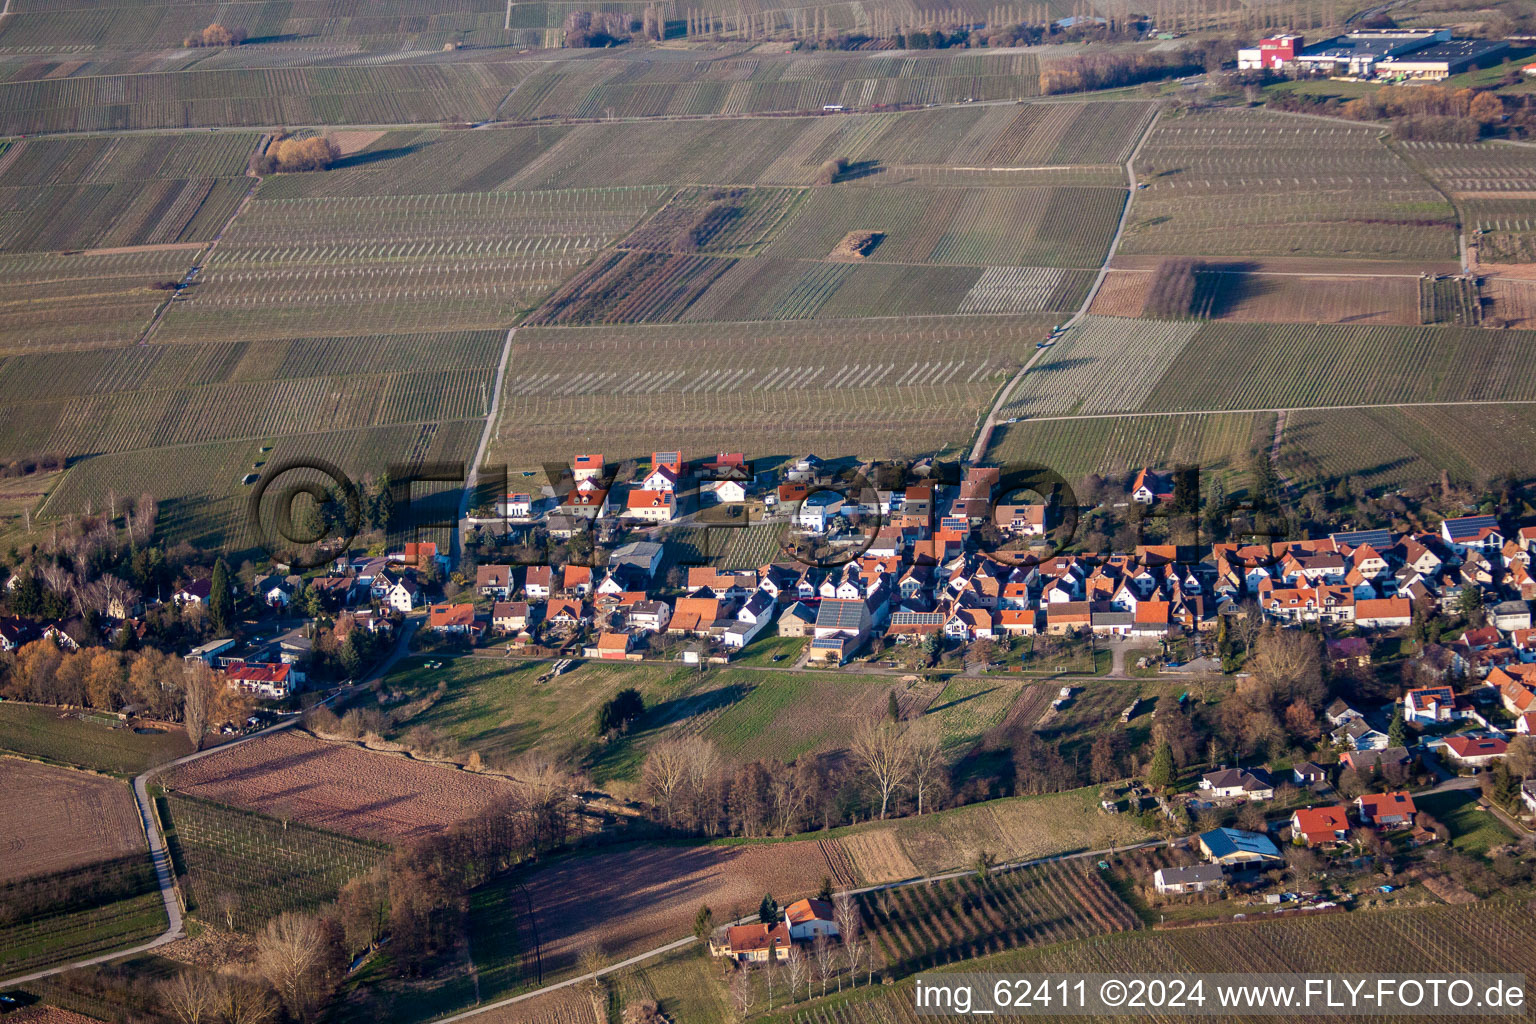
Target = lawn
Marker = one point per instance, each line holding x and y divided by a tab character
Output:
62	738
500	709
770	649
1472	831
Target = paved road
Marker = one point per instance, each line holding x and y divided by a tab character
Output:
989	423
157	848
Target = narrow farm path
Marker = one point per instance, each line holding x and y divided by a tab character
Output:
491	419
683	943
157	848
988	424
201	259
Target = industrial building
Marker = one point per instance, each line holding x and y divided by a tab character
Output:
1399	53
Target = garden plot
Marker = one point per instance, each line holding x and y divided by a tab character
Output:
1103	365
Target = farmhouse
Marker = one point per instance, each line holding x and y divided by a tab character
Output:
751	943
1321	826
810	918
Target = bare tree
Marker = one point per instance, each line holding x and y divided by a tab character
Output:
825	955
245	1001
845	912
926	752
294	954
799	970
189	997
879	749
665	772
741	992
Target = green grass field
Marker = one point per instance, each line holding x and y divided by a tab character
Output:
49	734
1472	831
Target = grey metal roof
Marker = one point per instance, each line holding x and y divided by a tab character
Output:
1224	842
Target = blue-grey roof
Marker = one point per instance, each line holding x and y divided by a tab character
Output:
1378	539
1224	842
1469	526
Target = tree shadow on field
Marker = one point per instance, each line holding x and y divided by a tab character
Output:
859	169
1221	287
961	700
375	156
1061	365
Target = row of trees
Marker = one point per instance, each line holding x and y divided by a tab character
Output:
691	787
165	686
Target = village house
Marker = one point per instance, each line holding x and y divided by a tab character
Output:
1194	878
1236	850
1230	783
456	619
270	682
1474	751
1308	774
511	617
1151	487
1321	826
651	506
1386	810
494	581
1430	705
1369	762
539	582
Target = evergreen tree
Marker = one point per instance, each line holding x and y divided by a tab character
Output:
1397	730
768	910
220	606
703	922
1161	773
893	707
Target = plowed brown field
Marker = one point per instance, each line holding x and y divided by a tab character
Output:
339	787
58	819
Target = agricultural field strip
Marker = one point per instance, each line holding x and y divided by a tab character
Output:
745	357
1110	364
1311	186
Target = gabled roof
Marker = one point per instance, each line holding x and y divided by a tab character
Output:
1464	528
802	911
441	615
840	613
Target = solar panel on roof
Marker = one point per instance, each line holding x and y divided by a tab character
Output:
1377	539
